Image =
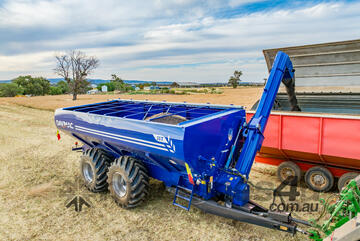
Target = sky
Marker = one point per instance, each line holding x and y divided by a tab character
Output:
166	40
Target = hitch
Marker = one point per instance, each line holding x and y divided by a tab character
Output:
254	214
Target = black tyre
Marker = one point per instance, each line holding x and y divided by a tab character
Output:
94	166
128	182
345	179
286	169
319	179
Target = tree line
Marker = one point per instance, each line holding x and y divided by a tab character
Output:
28	85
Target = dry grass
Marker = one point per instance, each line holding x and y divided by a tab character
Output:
38	172
241	96
41	190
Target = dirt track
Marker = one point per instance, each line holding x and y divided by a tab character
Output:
38	174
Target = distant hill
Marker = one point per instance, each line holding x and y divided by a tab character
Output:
135	82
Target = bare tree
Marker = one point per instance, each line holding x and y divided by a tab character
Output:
74	67
174	85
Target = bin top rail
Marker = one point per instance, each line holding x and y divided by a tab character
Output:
151	110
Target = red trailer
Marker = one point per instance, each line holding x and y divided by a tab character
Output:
324	146
323	140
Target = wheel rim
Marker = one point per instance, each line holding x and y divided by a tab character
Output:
286	172
318	180
119	184
88	172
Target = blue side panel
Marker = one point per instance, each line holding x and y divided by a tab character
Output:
145	136
209	141
145	139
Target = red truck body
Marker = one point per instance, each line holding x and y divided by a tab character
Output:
312	139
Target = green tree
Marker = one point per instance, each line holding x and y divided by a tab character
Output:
10	90
63	86
235	79
74	67
55	90
117	83
33	86
115	78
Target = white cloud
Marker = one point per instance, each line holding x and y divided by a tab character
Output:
180	40
28	14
